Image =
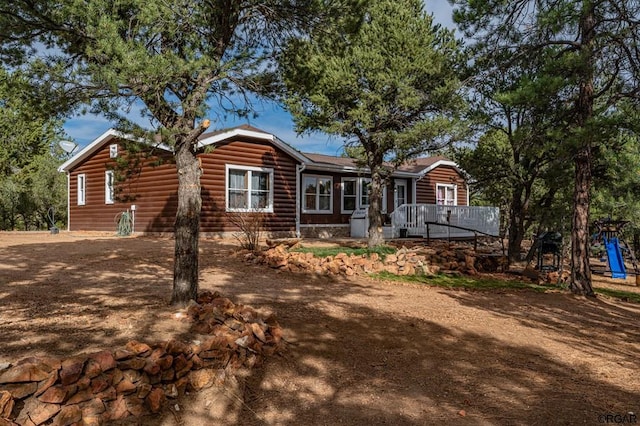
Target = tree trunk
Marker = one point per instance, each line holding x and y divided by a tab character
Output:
580	268
187	225
516	226
376	236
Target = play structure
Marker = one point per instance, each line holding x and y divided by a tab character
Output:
608	239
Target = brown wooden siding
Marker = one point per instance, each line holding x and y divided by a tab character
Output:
253	154
426	187
154	190
337	217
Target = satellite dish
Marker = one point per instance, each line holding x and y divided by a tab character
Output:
68	146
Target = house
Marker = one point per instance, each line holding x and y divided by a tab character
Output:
248	170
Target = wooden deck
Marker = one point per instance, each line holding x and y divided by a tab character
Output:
420	219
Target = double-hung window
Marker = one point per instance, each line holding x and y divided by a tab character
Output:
349	194
108	187
82	189
249	189
446	195
318	194
356	192
365	188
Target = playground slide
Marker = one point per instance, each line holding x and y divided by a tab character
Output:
616	262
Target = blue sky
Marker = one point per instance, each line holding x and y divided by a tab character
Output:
271	117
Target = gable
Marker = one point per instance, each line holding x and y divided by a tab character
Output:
110	136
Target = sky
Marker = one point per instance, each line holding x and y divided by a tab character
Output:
271	117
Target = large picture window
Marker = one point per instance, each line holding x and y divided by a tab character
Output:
318	194
82	189
446	195
249	189
108	187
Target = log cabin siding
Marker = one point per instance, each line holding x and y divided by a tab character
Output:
154	190
426	187
337	217
251	154
151	192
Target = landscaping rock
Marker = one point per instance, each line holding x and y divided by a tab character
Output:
6	404
28	372
137	380
419	260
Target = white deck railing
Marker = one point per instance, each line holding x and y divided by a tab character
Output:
413	218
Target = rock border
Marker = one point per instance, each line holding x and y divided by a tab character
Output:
416	260
138	379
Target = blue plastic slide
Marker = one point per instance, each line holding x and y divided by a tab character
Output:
616	263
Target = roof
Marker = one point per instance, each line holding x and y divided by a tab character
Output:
216	137
331	161
414	168
92	147
210	138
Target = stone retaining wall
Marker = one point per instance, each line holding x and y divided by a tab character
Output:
138	379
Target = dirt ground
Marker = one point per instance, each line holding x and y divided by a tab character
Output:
360	352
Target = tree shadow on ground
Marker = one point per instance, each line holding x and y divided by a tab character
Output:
71	297
355	360
592	326
359	352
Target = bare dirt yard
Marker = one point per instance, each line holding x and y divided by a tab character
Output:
359	352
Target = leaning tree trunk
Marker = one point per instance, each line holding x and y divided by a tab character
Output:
580	267
187	225
376	236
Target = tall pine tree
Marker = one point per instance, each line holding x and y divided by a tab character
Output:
597	55
389	89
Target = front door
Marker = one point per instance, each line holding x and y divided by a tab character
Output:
400	193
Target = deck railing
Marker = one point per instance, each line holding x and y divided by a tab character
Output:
411	219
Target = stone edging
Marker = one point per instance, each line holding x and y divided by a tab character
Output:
419	260
138	379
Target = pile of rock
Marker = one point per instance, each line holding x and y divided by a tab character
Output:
420	260
139	378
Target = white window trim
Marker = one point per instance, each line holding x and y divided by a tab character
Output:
342	181
81	190
455	193
269	170
317	211
359	205
113	150
109	190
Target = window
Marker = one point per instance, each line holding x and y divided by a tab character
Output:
349	194
113	150
364	192
249	189
446	195
318	194
82	189
355	194
108	187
